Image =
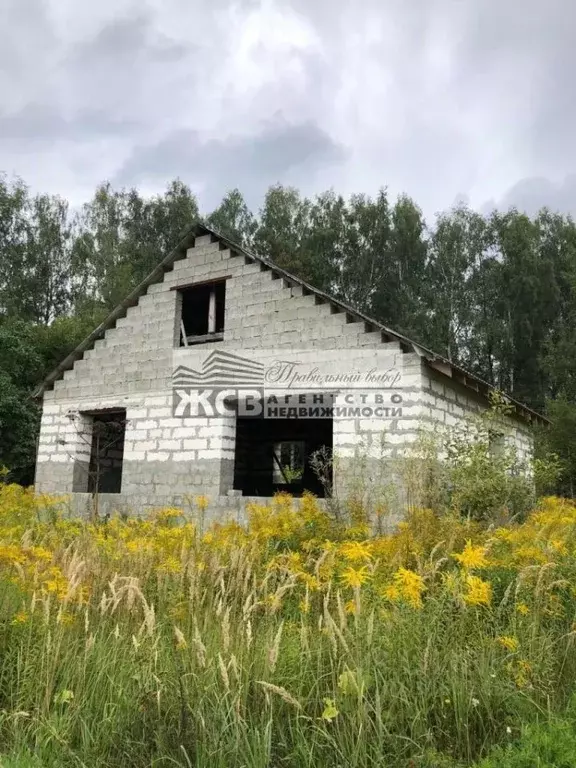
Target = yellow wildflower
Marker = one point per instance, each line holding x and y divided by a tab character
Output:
56	583
304	606
167	515
356	551
522	609
472	557
355	577
478	592
310	581
509	643
351	607
169	565
20	618
410	585
391	593
11	553
559	546
40	553
520	671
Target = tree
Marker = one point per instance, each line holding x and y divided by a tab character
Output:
283	229
234	220
456	245
14	201
400	296
47	262
20	368
120	237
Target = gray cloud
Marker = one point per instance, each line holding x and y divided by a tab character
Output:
521	60
125	41
436	98
279	152
532	194
37	123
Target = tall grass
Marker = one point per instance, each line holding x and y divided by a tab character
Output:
296	641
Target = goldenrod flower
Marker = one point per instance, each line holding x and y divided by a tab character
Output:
351	607
508	642
304	606
355	577
169	565
391	593
478	592
472	557
520	670
356	551
410	585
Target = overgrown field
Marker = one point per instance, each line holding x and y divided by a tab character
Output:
294	642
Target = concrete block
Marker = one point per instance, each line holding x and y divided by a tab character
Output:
184	432
157	456
149	424
184	456
196	444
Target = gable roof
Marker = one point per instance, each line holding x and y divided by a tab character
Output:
434	361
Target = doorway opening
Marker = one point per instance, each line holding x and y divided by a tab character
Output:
275	455
107	452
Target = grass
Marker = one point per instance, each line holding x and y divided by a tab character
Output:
293	642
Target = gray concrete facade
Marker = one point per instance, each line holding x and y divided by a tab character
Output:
168	458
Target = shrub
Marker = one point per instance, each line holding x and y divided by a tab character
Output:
541	745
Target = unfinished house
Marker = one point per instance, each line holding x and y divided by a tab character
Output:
222	374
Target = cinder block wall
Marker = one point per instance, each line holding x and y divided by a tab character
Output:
448	403
131	368
166	458
369	453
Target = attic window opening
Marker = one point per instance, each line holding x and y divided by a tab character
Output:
202	313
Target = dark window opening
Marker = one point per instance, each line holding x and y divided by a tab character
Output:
202	314
107	452
278	455
496	443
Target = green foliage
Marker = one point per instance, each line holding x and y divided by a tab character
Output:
487	479
541	745
560	439
234	220
473	469
20	368
121	237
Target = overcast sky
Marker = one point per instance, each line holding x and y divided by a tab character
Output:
443	99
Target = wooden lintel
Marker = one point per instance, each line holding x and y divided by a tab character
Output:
207	337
